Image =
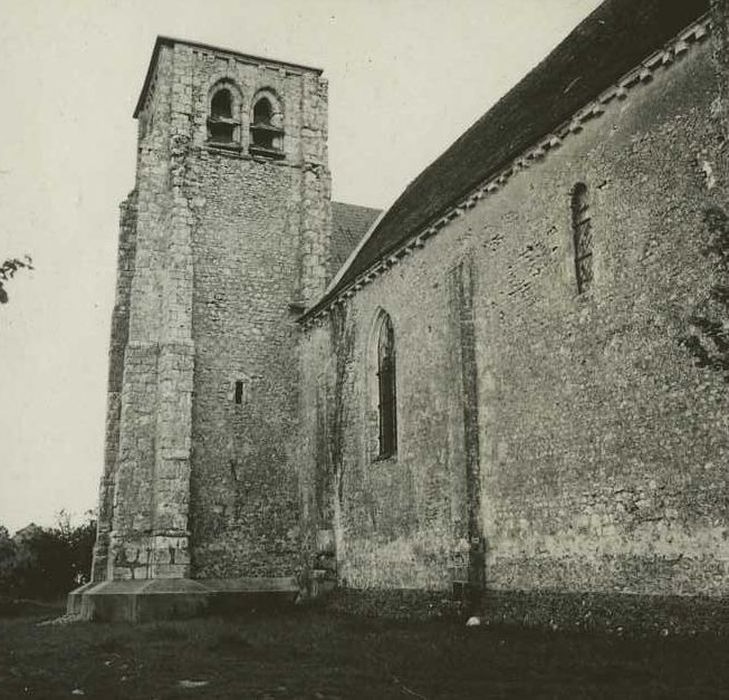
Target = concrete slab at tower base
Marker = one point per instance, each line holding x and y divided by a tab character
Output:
165	599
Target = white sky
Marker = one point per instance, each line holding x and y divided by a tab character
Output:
407	77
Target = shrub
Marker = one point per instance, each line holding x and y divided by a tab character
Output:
45	563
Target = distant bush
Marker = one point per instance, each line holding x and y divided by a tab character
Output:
44	563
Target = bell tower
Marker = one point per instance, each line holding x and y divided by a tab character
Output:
224	241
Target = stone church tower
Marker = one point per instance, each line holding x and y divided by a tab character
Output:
224	241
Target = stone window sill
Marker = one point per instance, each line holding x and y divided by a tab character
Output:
271	153
221	146
385	459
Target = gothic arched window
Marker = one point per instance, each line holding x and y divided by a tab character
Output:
582	237
222	122
266	126
387	388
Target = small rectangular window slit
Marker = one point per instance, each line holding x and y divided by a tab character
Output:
239	392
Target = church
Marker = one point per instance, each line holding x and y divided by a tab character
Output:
512	382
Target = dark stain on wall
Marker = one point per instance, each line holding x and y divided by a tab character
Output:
709	341
461	282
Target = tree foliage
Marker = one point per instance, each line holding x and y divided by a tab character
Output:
8	270
44	563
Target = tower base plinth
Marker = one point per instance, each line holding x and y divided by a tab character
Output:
167	599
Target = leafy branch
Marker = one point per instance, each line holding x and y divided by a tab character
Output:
8	270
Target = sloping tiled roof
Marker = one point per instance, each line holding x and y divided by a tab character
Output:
349	223
615	38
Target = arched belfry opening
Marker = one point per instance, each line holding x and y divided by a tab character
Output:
267	126
222	104
262	112
223	116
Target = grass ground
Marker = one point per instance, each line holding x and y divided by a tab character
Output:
314	654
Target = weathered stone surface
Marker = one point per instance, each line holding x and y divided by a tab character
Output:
159	598
217	245
601	443
556	431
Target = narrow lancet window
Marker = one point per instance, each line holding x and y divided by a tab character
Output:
582	237
386	381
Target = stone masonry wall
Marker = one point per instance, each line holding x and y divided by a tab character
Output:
119	338
602	443
616	436
259	251
135	551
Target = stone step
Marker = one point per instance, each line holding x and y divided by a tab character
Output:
158	599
